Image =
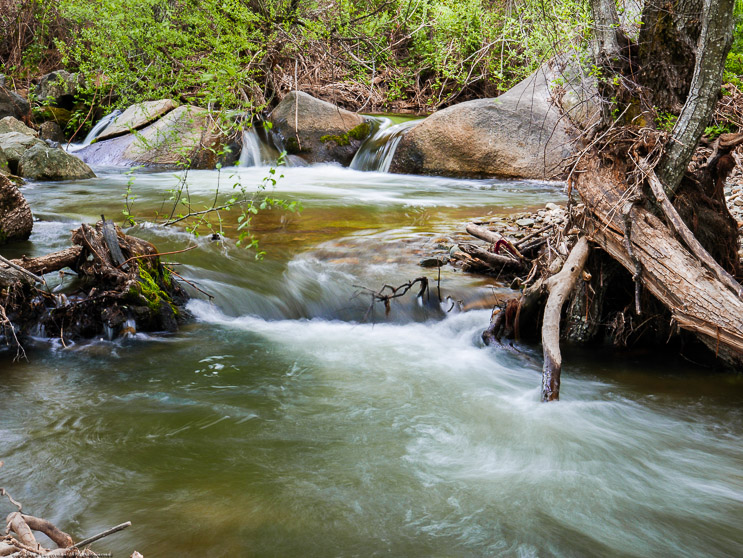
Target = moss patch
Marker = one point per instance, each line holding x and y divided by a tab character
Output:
358	133
148	289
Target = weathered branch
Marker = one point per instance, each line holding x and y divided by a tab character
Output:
559	287
491	259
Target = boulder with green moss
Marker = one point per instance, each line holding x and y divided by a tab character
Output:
318	131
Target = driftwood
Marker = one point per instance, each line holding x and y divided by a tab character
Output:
113	287
20	541
16	220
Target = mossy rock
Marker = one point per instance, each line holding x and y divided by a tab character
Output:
318	131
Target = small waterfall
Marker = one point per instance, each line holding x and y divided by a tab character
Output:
98	128
251	156
258	147
376	153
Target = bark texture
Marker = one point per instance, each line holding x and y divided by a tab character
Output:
16	220
697	300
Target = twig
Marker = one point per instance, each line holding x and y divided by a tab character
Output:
158	254
211	297
99	536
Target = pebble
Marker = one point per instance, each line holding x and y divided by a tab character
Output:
525	222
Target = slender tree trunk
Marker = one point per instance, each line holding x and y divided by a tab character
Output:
712	49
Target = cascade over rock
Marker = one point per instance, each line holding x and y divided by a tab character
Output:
136	117
318	131
16	220
185	136
519	134
42	162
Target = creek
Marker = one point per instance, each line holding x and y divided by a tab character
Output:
280	422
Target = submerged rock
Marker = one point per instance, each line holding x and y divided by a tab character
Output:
16	220
318	131
519	134
136	117
42	162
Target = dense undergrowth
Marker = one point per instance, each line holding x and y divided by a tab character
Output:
370	55
375	55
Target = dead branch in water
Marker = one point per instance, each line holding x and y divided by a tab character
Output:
394	292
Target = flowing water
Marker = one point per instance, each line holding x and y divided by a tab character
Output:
285	421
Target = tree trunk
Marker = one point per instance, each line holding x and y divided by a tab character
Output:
703	92
667	45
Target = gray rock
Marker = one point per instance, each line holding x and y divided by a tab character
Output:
519	134
11	124
136	117
58	87
46	163
12	104
51	131
525	222
14	145
326	133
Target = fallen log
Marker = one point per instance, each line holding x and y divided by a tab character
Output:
697	300
50	262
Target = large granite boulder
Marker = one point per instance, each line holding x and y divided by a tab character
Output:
12	104
136	117
42	162
10	124
16	220
519	134
184	137
58	88
318	131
